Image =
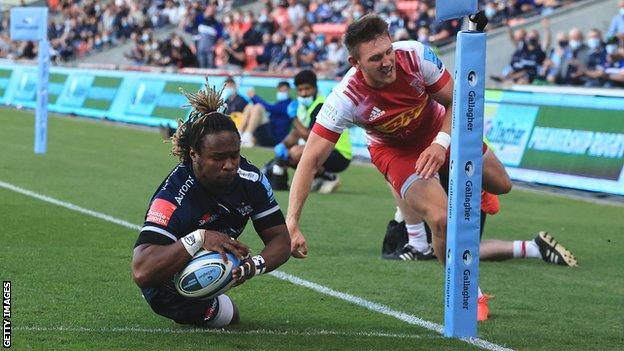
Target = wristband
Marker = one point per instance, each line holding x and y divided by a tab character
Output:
259	263
443	139
193	242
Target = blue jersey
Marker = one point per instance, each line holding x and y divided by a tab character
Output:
182	205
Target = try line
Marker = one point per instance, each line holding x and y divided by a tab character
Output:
369	305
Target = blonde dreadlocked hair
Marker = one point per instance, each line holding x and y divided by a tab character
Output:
205	118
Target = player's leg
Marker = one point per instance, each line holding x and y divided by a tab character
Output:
496	250
495	178
214	313
417	247
255	116
427	199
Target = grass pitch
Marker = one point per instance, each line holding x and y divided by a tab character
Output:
72	286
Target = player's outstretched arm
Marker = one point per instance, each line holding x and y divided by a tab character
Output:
433	157
275	253
153	264
316	151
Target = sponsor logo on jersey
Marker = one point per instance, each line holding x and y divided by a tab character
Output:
184	189
244	210
252	176
207	218
376	112
402	120
160	212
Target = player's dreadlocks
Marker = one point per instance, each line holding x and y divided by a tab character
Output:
205	118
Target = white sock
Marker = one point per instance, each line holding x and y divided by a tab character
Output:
417	236
526	249
480	293
278	170
398	216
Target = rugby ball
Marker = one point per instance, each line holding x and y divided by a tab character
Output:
206	275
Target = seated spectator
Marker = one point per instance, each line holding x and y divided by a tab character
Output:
235	103
594	73
614	65
235	50
527	62
554	57
573	63
266	124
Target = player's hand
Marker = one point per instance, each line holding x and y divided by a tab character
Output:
298	245
219	242
251	93
245	271
430	161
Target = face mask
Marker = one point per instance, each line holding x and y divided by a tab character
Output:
357	15
575	44
288	42
305	101
622	11
593	43
611	48
563	43
281	95
227	92
320	43
145	37
490	12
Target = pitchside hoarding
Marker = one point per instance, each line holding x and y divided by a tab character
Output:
567	140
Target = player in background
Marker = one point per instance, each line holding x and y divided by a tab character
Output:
401	94
406	237
206	202
288	152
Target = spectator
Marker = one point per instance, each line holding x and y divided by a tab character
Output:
616	29
235	104
209	30
235	51
573	63
555	56
594	73
614	66
267	123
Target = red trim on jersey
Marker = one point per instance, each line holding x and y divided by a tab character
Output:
348	94
354	92
440	83
523	248
325	133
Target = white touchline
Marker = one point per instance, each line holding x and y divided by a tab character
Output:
309	332
372	306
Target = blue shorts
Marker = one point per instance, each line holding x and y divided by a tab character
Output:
166	302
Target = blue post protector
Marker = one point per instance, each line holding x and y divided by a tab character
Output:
450	9
41	112
464	201
31	23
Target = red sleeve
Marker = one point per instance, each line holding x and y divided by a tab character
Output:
440	83
325	133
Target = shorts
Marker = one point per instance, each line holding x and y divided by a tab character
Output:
397	165
336	163
217	312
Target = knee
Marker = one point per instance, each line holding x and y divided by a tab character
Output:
437	222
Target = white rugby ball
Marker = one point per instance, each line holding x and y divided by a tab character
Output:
206	275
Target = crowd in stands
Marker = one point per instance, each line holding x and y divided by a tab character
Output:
288	35
591	59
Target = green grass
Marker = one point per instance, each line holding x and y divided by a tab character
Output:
71	270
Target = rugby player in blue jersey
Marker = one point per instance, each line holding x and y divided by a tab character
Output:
205	202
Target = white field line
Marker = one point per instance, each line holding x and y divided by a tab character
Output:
272	332
372	306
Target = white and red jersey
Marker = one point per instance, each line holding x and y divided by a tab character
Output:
399	114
